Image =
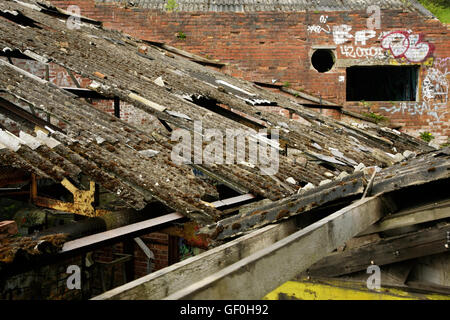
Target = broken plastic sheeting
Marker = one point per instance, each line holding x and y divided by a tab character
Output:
35	56
159	81
149	153
339	154
326	158
259	102
261	138
147	102
317	146
10	141
99	140
178	115
29	54
28	140
229	85
28	5
48	141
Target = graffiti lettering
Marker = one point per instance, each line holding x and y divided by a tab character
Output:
419	108
358	52
435	85
341	34
318	28
442	62
362	36
403	44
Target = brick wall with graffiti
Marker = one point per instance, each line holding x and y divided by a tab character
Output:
269	46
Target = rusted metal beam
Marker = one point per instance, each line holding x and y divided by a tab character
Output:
82	200
21	113
86	93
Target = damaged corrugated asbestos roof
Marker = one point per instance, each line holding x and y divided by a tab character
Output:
270	5
137	166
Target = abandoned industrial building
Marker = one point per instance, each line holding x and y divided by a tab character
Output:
97	203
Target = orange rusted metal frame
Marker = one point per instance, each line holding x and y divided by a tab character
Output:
82	200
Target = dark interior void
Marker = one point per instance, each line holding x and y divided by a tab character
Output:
382	83
323	60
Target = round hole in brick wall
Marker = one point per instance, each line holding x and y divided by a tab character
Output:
323	60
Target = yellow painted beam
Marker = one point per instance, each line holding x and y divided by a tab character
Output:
343	290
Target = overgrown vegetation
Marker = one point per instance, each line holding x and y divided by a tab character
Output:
171	5
426	136
375	117
286	84
440	8
181	35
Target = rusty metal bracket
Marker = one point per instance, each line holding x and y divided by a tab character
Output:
82	200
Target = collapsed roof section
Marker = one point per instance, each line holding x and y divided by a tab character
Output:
75	138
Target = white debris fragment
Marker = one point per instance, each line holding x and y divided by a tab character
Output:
248	164
342	175
94	85
398	157
149	153
99	140
234	87
409	154
329	174
434	145
30	141
309	186
283	125
324	182
291	180
10	141
360	167
178	115
159	81
48	141
317	146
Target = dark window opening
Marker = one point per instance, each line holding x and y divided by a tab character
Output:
323	60
382	83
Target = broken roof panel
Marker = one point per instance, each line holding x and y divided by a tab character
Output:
81	139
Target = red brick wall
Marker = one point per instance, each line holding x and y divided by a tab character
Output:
263	46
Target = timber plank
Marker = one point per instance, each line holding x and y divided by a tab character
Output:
400	248
254	276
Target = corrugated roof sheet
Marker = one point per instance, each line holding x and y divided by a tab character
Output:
109	150
271	5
